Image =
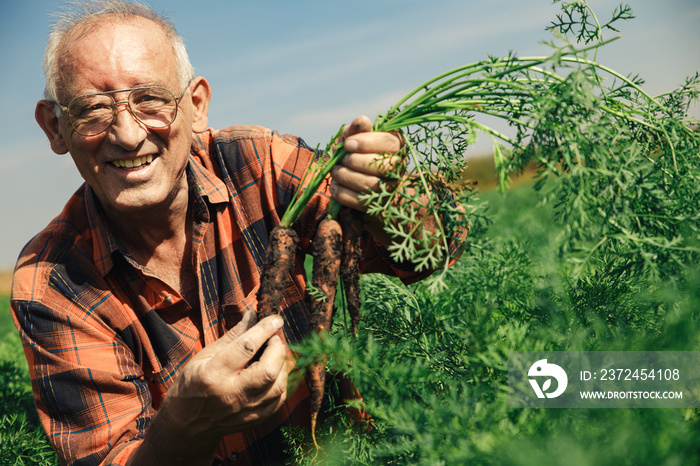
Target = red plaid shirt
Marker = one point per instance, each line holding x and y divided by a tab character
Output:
105	337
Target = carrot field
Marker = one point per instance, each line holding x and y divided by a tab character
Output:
432	366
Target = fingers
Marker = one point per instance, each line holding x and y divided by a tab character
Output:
267	376
370	161
373	142
262	387
347	197
359	138
241	348
371	164
354	180
259	389
249	319
218	394
360	124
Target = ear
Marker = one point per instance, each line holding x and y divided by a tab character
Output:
201	94
47	119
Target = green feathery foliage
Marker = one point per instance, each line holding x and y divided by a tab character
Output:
599	254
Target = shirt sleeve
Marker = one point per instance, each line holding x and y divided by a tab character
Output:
92	399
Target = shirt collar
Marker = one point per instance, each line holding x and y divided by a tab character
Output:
205	183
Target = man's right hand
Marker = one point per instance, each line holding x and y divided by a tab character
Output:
218	393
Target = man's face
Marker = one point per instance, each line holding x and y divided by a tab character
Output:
122	55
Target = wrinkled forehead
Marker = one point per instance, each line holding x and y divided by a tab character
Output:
101	53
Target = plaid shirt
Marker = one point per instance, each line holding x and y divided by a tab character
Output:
105	337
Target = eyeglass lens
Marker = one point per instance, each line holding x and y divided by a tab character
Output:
155	107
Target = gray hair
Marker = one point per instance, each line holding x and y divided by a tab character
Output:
84	12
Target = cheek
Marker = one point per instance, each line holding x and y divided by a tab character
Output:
84	151
176	138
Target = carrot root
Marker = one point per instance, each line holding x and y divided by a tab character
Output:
314	418
352	226
279	261
326	252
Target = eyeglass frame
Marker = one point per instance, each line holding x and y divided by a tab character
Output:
115	106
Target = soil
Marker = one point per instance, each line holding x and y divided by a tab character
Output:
351	222
326	251
279	260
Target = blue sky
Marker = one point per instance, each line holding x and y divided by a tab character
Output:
306	67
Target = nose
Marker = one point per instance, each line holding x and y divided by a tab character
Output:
116	110
126	131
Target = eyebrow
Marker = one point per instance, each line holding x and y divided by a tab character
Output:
138	86
150	84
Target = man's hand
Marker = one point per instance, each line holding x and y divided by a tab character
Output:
218	393
368	161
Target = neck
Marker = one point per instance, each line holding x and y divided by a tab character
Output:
155	236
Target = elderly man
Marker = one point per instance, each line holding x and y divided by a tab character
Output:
134	303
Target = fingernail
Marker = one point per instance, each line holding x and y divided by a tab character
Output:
333	188
277	322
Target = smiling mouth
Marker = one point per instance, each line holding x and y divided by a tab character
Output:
133	163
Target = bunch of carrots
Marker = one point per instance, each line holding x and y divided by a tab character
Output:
336	253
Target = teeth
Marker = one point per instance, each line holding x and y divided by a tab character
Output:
133	163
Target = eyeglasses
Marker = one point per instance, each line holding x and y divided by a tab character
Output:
155	107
